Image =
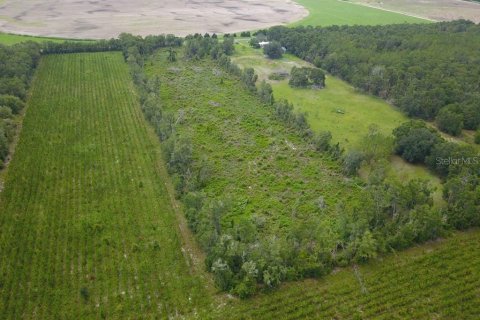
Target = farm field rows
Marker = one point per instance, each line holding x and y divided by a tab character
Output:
336	12
439	279
360	111
87	229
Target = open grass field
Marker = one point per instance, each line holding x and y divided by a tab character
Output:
360	110
10	39
262	168
337	12
440	280
438	10
87	228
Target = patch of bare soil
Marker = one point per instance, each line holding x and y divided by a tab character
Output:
438	10
95	19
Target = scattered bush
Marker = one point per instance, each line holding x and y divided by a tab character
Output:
277	76
303	77
5	113
414	141
449	122
273	50
477	137
352	162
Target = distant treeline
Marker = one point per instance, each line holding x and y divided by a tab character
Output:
144	45
430	71
17	66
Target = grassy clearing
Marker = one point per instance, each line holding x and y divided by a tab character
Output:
259	166
336	12
10	39
87	229
439	280
360	110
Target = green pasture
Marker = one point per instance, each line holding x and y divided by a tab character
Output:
338	12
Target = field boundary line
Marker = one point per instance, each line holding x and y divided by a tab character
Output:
193	254
18	133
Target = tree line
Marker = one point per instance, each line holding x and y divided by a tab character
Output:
17	66
429	71
457	164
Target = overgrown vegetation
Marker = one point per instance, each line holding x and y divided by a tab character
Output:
246	245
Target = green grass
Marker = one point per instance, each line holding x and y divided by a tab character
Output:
336	12
440	280
87	229
10	39
360	110
263	168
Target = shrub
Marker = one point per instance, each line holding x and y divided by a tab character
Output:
449	122
477	137
414	141
352	162
273	50
5	113
322	141
303	77
266	93
277	76
85	294
254	43
14	103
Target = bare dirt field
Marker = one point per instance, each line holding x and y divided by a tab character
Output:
95	19
438	10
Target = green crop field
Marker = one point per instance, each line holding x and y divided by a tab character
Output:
87	228
360	111
10	39
337	12
440	280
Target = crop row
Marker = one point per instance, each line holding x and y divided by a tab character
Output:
87	229
444	281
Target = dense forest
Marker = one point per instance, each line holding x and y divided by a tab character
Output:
17	66
429	71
